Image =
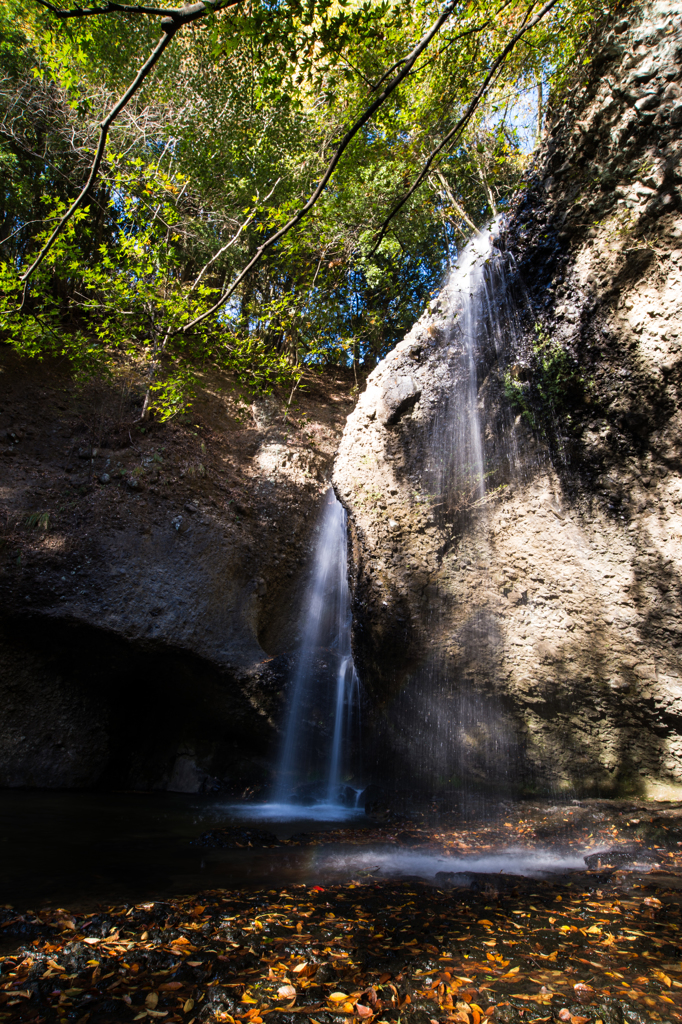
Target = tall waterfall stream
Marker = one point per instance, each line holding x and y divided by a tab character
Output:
436	713
325	684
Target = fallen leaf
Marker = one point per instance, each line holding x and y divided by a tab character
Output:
151	1000
287	992
363	1011
170	986
336	997
189	1005
666	979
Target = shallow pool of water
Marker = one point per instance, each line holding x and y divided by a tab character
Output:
84	848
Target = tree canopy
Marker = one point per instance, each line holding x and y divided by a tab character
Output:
252	183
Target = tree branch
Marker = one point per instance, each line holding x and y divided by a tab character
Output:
408	64
466	116
173	19
169	30
450	196
183	15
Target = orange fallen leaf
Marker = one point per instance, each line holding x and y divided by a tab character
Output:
363	1011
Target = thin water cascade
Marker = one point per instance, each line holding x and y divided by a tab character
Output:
323	700
448	732
484	329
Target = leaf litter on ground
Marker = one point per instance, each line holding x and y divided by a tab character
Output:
599	945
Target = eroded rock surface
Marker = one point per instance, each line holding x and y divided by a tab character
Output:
151	578
534	640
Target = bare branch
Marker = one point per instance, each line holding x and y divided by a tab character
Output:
183	15
331	166
17	230
173	19
232	241
465	118
170	29
450	196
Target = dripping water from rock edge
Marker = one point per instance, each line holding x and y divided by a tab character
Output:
320	737
447	731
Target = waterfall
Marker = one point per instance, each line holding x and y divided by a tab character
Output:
322	703
483	328
446	731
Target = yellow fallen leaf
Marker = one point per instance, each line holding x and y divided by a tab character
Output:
189	1005
249	999
151	1000
337	997
484	921
663	977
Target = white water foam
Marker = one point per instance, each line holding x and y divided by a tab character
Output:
287	812
400	863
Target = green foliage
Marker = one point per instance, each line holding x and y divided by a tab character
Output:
550	388
38	520
221	146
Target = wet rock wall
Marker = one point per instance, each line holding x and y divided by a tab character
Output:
150	578
533	643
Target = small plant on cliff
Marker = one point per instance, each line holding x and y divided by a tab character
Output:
552	382
38	520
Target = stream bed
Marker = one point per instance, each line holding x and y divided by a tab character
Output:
126	906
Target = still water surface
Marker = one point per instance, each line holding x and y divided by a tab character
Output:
81	849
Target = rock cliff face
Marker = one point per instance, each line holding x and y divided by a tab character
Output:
151	579
532	640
